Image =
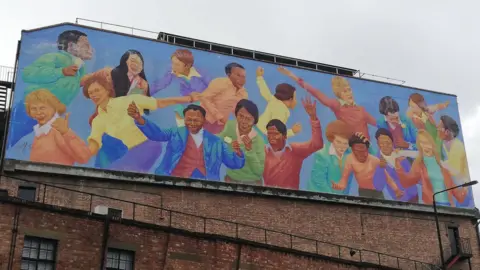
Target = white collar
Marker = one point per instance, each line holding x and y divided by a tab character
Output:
77	61
333	152
198	138
287	146
45	129
390	159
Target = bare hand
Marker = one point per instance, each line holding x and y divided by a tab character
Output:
297	128
398	192
236	148
446	103
247	142
310	107
195	96
260	72
383	162
135	113
338	186
70	71
142	84
61	124
284	71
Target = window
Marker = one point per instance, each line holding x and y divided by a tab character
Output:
118	259
454	237
38	254
27	193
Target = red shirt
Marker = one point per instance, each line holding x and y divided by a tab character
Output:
282	168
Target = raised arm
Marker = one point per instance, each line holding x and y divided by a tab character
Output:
347	170
408	179
437	107
303	150
207	97
69	142
262	85
148	128
162	83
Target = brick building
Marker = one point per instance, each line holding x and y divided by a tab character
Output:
57	217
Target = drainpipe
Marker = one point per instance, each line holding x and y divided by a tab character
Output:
239	253
13	241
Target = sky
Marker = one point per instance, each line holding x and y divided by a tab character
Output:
429	44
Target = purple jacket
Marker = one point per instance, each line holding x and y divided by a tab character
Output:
195	84
380	177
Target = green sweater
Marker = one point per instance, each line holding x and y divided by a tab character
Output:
46	73
254	159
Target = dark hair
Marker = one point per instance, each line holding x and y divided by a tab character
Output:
68	36
121	83
358	138
193	107
104	82
229	67
384	132
388	105
279	125
450	124
250	107
284	91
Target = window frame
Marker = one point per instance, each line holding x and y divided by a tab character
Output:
40	240
28	188
119	252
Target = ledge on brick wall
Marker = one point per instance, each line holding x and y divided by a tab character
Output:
146	179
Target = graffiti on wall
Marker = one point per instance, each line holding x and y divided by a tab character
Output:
95	99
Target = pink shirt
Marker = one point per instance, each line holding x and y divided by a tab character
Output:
220	99
355	116
363	171
56	148
283	169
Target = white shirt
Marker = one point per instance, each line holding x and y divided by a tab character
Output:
44	129
198	138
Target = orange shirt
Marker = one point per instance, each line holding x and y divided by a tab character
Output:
56	148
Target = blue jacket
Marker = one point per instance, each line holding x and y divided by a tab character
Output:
215	151
409	131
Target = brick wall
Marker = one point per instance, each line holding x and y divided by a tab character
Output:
80	243
397	233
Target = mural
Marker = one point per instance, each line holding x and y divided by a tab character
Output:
95	99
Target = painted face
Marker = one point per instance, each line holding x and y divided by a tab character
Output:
238	77
134	64
425	146
416	107
393	118
443	133
385	144
245	121
340	144
194	121
360	151
82	49
178	67
98	93
346	95
42	112
276	139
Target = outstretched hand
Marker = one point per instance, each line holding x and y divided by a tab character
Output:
310	107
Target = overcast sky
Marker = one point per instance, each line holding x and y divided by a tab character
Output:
429	44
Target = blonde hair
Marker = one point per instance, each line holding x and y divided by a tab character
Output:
44	96
422	133
338	85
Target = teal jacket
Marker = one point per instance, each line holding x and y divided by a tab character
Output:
46	73
326	168
254	159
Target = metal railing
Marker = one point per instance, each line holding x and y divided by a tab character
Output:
6	74
50	195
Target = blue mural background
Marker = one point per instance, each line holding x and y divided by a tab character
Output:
109	48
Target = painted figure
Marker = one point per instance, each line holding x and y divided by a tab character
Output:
453	150
402	129
129	76
222	95
343	106
427	170
365	167
278	105
54	141
192	152
422	116
283	161
189	78
243	131
58	72
330	161
111	118
388	155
